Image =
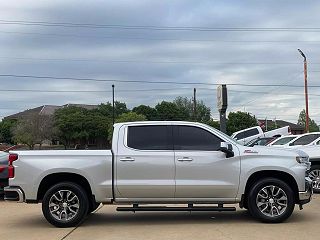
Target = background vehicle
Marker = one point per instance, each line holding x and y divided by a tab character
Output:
282	140
260	141
248	134
161	162
314	155
3	171
306	139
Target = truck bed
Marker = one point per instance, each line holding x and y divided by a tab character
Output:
94	165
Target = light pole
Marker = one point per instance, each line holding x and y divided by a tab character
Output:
113	105
305	88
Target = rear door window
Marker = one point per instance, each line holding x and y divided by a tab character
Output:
153	137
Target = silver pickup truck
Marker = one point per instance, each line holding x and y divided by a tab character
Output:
161	163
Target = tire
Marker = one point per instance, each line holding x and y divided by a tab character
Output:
314	174
65	205
271	200
93	206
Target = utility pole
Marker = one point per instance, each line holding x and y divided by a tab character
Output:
266	124
305	88
113	120
194	104
222	104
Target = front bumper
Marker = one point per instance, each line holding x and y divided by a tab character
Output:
305	197
13	194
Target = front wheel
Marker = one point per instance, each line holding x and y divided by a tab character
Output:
271	200
65	205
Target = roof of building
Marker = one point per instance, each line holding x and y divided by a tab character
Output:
47	110
282	123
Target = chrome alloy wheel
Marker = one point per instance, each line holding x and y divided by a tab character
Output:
315	177
64	205
272	201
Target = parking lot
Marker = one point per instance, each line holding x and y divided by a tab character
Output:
21	221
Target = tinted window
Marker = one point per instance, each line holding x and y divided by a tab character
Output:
306	139
251	132
247	133
194	138
239	136
150	137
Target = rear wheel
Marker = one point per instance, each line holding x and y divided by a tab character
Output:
65	204
271	200
314	174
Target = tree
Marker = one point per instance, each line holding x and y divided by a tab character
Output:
313	127
149	112
127	117
167	111
130	117
106	109
6	128
79	125
33	129
214	124
240	120
186	108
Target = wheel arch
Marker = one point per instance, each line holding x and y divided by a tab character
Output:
54	178
284	176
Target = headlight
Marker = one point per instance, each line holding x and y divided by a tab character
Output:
304	160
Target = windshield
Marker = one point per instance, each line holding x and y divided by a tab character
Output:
306	139
283	141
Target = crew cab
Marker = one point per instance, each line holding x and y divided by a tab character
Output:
164	162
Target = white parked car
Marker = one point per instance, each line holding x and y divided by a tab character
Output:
248	134
306	139
314	155
283	140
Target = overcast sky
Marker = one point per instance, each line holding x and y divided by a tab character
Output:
126	53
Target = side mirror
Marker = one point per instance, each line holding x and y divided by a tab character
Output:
227	149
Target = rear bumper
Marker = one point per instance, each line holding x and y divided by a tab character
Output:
14	194
305	197
3	184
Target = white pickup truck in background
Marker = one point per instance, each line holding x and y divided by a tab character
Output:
161	163
246	135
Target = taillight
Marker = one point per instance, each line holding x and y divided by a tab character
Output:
12	157
2	168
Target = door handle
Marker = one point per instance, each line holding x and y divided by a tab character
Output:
185	159
127	159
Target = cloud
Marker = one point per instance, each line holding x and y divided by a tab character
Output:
179	56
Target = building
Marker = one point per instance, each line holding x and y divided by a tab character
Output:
49	110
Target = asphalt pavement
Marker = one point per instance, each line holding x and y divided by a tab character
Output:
22	221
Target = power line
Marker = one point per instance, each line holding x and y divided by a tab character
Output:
150	61
152	82
258	92
162	39
158	28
